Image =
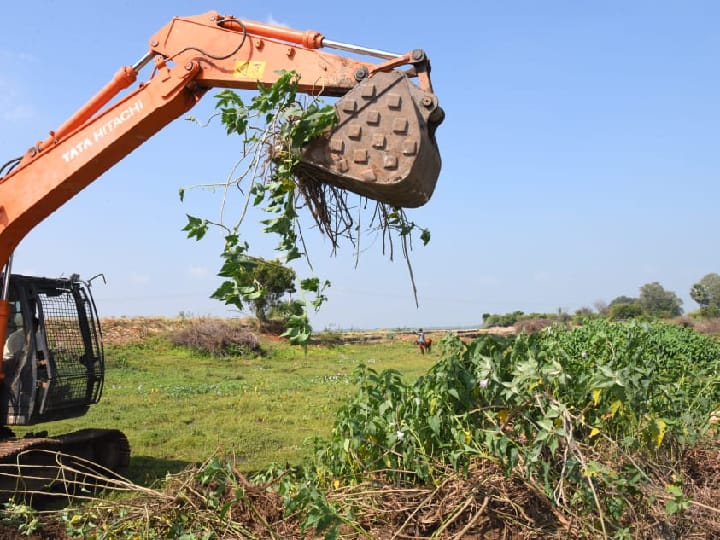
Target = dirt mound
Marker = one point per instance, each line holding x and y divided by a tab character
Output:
128	330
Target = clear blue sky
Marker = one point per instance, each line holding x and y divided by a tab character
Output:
580	156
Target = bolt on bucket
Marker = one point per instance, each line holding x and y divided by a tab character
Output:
383	146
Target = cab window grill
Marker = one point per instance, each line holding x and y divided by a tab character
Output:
75	367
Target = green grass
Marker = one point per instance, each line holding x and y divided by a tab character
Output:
178	407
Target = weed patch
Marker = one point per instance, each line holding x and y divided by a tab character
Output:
217	337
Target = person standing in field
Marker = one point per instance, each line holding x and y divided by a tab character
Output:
421	340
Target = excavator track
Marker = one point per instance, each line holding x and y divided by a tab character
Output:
81	459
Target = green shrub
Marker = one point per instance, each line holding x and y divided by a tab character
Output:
581	414
530	322
624	311
501	321
710	311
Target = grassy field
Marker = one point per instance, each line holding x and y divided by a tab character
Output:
178	407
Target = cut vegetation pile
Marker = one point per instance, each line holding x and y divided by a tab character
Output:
217	337
602	431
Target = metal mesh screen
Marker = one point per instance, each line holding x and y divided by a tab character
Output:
76	370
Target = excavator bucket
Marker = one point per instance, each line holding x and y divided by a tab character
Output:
383	146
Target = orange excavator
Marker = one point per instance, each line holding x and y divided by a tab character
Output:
383	147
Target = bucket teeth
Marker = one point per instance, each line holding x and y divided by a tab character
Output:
383	146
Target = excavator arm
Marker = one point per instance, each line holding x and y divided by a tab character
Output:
382	147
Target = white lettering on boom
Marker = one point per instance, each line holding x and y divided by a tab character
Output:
124	116
105	129
76	150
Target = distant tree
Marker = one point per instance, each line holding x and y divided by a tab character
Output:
276	281
623	300
584	313
655	301
706	293
252	280
700	294
620	311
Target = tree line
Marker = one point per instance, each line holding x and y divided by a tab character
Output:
655	301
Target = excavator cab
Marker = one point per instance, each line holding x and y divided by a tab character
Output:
53	357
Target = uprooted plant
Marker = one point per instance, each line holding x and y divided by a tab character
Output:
275	126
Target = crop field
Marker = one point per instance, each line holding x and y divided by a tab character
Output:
599	431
